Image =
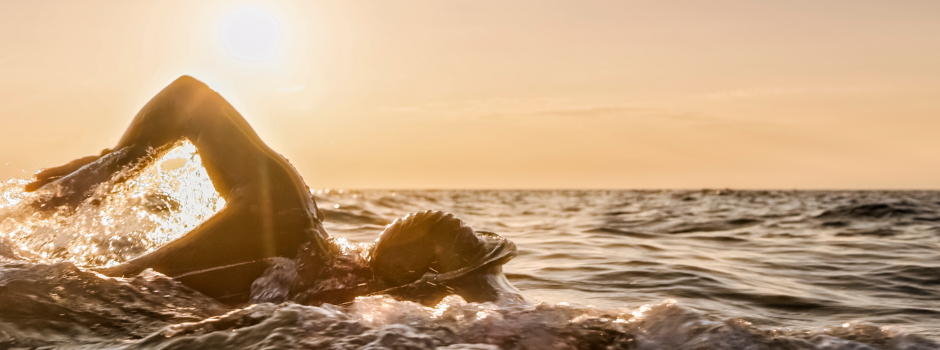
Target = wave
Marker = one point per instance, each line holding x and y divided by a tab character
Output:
876	211
61	305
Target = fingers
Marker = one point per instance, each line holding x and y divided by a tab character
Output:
67	168
51	174
35	185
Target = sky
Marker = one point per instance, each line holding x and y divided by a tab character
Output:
501	94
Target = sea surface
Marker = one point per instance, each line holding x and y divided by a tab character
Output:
602	269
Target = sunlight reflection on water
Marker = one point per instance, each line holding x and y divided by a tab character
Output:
165	201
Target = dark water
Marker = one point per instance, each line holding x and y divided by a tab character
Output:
602	269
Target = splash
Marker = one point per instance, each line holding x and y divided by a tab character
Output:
121	220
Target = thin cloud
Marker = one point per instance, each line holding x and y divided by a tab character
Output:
543	108
791	91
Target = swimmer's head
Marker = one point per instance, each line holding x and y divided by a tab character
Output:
422	242
432	254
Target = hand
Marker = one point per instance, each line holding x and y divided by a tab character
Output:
76	184
51	174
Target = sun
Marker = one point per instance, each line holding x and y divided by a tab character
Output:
250	34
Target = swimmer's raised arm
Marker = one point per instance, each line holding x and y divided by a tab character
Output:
233	155
268	210
157	126
143	133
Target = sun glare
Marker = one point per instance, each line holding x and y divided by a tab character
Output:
251	34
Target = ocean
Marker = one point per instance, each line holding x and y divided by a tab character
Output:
601	269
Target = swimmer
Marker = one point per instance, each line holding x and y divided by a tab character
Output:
269	212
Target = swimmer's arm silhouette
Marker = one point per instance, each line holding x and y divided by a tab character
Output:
230	149
269	211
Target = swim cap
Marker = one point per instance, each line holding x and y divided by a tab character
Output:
418	255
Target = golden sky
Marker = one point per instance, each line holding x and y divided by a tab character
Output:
502	94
